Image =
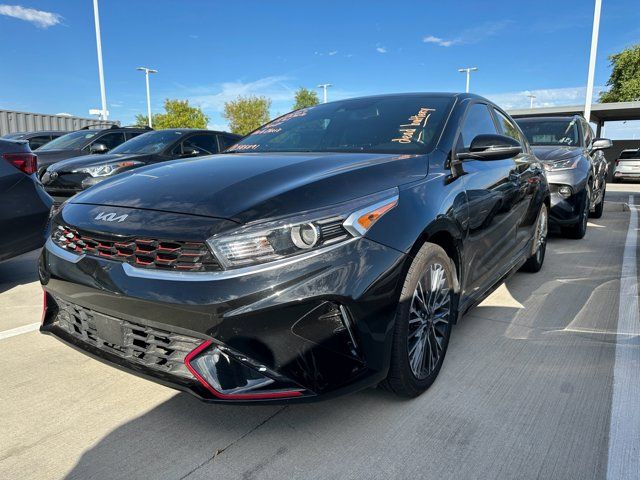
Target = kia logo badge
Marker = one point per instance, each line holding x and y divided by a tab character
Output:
111	217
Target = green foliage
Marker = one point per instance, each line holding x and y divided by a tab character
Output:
625	76
245	114
305	98
178	114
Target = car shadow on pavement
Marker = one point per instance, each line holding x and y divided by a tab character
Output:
184	434
19	270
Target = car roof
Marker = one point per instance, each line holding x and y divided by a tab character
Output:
198	130
40	132
565	118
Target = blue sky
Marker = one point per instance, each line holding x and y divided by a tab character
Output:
211	51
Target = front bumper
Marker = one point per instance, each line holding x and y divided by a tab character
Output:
567	210
275	320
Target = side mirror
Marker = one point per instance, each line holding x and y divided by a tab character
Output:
98	148
190	152
491	147
601	144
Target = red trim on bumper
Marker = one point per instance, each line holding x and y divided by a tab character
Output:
225	396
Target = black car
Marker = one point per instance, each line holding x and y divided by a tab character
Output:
576	168
36	139
68	177
328	251
90	139
25	204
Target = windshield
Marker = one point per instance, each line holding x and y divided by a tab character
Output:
551	132
151	142
630	154
393	124
70	140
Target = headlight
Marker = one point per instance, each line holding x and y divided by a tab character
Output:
562	164
565	190
107	169
287	237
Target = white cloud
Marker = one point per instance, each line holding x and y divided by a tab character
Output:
39	18
439	41
274	87
381	50
549	97
470	35
332	53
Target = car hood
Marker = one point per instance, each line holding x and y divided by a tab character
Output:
555	153
247	187
92	160
49	157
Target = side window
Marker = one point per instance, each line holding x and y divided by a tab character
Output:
205	143
508	128
111	140
130	135
588	133
478	121
226	141
36	142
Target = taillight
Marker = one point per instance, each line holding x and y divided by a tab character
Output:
25	162
617	162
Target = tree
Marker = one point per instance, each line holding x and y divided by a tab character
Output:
305	98
245	114
178	114
625	76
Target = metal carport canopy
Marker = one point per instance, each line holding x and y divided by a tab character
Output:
600	112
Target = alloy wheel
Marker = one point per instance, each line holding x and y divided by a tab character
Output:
429	317
541	232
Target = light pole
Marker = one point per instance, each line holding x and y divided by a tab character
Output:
324	87
468	70
103	95
592	60
531	97
147	71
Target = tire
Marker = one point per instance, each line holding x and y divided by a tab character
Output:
597	212
536	260
579	229
422	330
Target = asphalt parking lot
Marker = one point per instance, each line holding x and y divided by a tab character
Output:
533	387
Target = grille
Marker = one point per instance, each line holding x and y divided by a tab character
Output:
144	253
156	349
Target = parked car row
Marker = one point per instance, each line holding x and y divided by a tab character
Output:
65	178
332	249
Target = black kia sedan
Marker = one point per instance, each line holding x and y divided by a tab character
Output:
576	168
68	177
330	250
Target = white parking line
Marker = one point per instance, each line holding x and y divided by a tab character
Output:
19	330
624	429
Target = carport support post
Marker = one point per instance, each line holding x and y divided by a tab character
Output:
599	126
592	60
103	95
